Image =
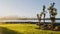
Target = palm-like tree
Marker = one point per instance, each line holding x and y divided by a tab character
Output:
44	12
40	15
53	13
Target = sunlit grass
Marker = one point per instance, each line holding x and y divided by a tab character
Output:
28	29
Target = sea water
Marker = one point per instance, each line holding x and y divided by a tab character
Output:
27	20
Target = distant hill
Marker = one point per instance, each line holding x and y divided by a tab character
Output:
22	18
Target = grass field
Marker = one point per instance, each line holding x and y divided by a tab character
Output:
23	29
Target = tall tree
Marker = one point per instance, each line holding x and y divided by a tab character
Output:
53	13
40	15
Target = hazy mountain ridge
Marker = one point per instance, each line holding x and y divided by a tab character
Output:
21	18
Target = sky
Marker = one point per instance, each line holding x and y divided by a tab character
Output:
26	8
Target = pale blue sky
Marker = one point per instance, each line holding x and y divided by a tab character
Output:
27	8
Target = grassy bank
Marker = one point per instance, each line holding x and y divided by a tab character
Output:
23	29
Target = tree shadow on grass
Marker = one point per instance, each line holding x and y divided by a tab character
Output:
4	30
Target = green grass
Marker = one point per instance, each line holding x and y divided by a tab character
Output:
24	29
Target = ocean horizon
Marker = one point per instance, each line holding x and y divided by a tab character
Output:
27	20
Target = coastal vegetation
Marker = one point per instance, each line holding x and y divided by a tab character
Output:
24	29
